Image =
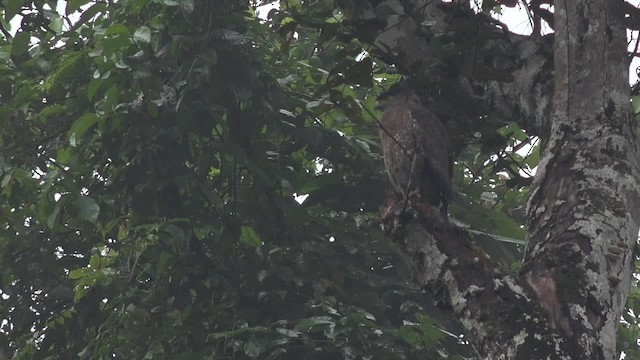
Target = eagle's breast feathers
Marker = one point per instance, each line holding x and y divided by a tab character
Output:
415	149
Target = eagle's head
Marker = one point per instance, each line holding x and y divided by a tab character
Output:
398	94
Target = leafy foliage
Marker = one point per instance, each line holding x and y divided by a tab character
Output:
152	152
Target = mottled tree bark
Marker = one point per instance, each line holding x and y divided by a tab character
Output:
584	213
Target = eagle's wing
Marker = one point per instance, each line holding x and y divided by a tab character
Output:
436	179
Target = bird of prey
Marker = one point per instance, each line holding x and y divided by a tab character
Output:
415	148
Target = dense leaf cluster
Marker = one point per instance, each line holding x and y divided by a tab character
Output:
183	179
150	157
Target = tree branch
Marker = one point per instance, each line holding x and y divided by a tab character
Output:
522	85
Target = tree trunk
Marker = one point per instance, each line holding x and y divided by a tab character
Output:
585	208
584	212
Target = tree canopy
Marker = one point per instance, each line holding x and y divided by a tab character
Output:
183	179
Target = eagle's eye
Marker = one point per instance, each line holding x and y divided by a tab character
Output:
382	102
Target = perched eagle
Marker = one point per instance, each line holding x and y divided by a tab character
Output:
415	148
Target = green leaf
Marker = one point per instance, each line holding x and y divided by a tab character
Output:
87	209
123	231
111	97
253	348
77	273
94	262
53	218
635	103
80	126
5	53
309	323
23	95
12	8
142	34
534	158
106	228
235	332
52	110
74	5
117	29
212	197
80	291
137	6
94	87
249	236
409	335
186	3
90	13
163	261
513	130
20	44
288	332
55	22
